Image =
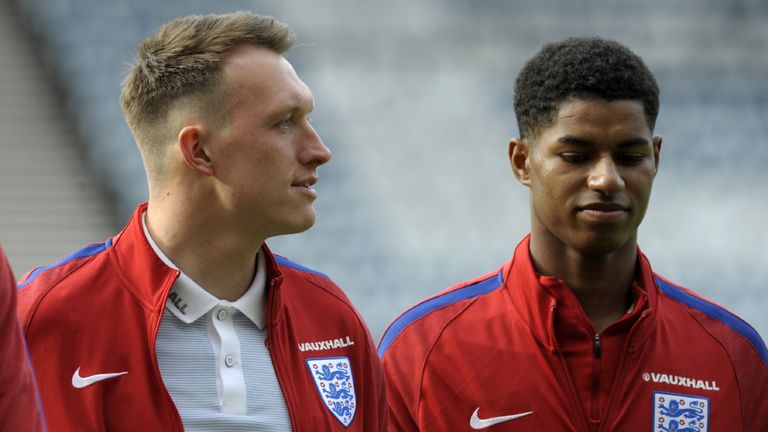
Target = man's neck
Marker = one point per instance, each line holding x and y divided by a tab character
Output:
601	283
204	247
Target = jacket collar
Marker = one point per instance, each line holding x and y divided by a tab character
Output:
537	304
189	301
148	277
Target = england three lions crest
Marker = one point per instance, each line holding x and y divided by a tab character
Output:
680	413
333	377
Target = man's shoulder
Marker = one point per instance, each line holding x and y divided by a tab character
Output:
318	302
286	264
423	323
302	277
41	281
293	271
730	330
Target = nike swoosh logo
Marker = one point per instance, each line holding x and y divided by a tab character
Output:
475	422
81	382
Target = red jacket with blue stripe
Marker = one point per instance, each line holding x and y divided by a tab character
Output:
99	311
514	351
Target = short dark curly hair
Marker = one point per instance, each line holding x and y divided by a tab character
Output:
584	68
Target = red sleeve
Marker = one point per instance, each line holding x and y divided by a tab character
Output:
404	350
20	408
404	358
751	371
373	382
376	379
402	370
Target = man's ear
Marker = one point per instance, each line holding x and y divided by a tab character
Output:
194	151
519	152
656	150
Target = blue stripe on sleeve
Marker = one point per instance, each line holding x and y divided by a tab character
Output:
418	311
288	263
718	313
82	253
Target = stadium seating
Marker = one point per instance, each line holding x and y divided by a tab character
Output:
415	100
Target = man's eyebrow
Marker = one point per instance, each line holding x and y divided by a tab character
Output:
634	142
570	139
299	105
581	142
291	108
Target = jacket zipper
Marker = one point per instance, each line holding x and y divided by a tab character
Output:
619	375
598	353
276	364
598	347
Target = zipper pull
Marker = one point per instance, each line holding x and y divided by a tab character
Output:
598	347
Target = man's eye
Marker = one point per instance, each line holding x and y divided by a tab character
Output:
284	123
630	158
574	158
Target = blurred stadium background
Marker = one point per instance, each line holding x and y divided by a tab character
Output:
415	100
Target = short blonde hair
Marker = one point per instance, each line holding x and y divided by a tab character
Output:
180	65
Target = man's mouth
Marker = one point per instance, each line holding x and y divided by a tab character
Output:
603	207
604	212
306	182
305	185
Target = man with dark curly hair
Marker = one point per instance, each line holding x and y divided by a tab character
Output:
576	332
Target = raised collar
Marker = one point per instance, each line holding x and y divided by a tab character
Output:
146	275
189	301
537	304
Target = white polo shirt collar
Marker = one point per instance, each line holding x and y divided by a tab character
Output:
188	301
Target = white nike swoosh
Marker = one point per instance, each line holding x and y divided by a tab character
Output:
81	382
475	422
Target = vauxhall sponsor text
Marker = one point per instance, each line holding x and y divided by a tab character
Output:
678	380
326	344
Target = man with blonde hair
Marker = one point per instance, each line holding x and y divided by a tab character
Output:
186	320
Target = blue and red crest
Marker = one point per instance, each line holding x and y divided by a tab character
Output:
333	377
680	413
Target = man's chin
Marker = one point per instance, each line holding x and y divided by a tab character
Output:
298	225
603	245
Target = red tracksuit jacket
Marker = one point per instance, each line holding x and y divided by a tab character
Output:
513	351
20	408
99	310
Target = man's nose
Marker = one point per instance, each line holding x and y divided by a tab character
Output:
315	152
605	177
